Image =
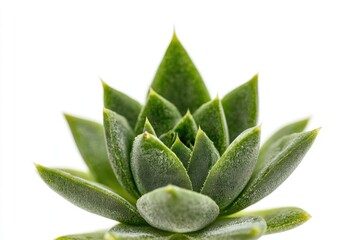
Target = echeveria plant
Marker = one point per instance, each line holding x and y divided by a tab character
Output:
183	165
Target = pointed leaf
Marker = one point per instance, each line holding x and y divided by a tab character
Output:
84	236
90	140
121	104
161	113
181	151
186	129
203	157
244	228
241	107
89	196
148	128
154	165
178	80
279	219
295	127
119	137
233	170
287	153
177	210
211	119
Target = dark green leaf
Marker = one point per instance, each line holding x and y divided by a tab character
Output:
148	128
211	119
119	137
186	129
178	80
233	170
287	153
154	165
89	196
121	104
241	107
203	157
181	151
162	114
84	236
279	219
177	210
168	138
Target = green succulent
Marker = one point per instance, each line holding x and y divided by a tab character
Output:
182	166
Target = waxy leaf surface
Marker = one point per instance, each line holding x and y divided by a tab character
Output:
154	165
241	107
121	104
181	151
89	196
232	171
178	80
99	235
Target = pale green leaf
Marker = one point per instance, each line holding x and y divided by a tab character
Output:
181	151
80	174
148	127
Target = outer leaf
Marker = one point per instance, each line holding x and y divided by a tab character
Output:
242	228
121	104
233	170
161	113
84	236
241	107
280	219
154	165
119	137
287	153
177	210
89	196
186	129
265	150
211	119
90	140
181	151
203	157
178	80
148	128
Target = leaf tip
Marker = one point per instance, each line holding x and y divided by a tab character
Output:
146	135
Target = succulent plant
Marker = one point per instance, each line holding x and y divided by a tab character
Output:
182	166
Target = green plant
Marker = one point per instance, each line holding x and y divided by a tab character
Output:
182	166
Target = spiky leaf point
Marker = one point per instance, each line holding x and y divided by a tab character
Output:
161	113
148	127
265	149
177	210
154	165
121	104
98	200
279	219
203	157
119	137
211	118
241	107
181	151
287	153
90	139
233	170
186	129
99	235
178	80
244	228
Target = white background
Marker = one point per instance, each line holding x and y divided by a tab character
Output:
307	54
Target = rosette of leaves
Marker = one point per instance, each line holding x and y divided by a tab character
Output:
183	165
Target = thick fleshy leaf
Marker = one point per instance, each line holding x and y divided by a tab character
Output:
186	129
211	119
84	236
90	140
80	174
178	80
241	228
148	127
119	137
162	114
181	151
203	157
287	153
121	104
90	196
177	210
241	107
233	170
154	165
265	149
279	219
